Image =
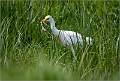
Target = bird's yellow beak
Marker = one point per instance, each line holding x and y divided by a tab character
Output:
45	21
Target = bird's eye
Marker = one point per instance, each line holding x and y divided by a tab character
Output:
47	18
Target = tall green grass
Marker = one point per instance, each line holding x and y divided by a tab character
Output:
27	53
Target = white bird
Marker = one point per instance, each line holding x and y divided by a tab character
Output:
68	38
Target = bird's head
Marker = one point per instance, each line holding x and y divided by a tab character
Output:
48	19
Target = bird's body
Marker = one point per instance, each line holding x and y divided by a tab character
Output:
68	38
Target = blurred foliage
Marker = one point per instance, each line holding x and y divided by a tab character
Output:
23	44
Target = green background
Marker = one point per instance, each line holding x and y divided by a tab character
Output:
26	53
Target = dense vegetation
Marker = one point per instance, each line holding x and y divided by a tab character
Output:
28	53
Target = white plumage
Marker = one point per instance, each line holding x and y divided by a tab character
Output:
68	38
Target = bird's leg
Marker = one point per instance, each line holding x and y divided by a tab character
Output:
73	52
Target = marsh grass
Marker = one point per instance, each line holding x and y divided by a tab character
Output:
27	53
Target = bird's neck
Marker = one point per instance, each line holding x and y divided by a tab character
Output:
55	31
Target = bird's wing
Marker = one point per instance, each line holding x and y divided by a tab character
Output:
72	34
72	37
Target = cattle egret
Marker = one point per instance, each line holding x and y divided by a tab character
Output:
68	38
